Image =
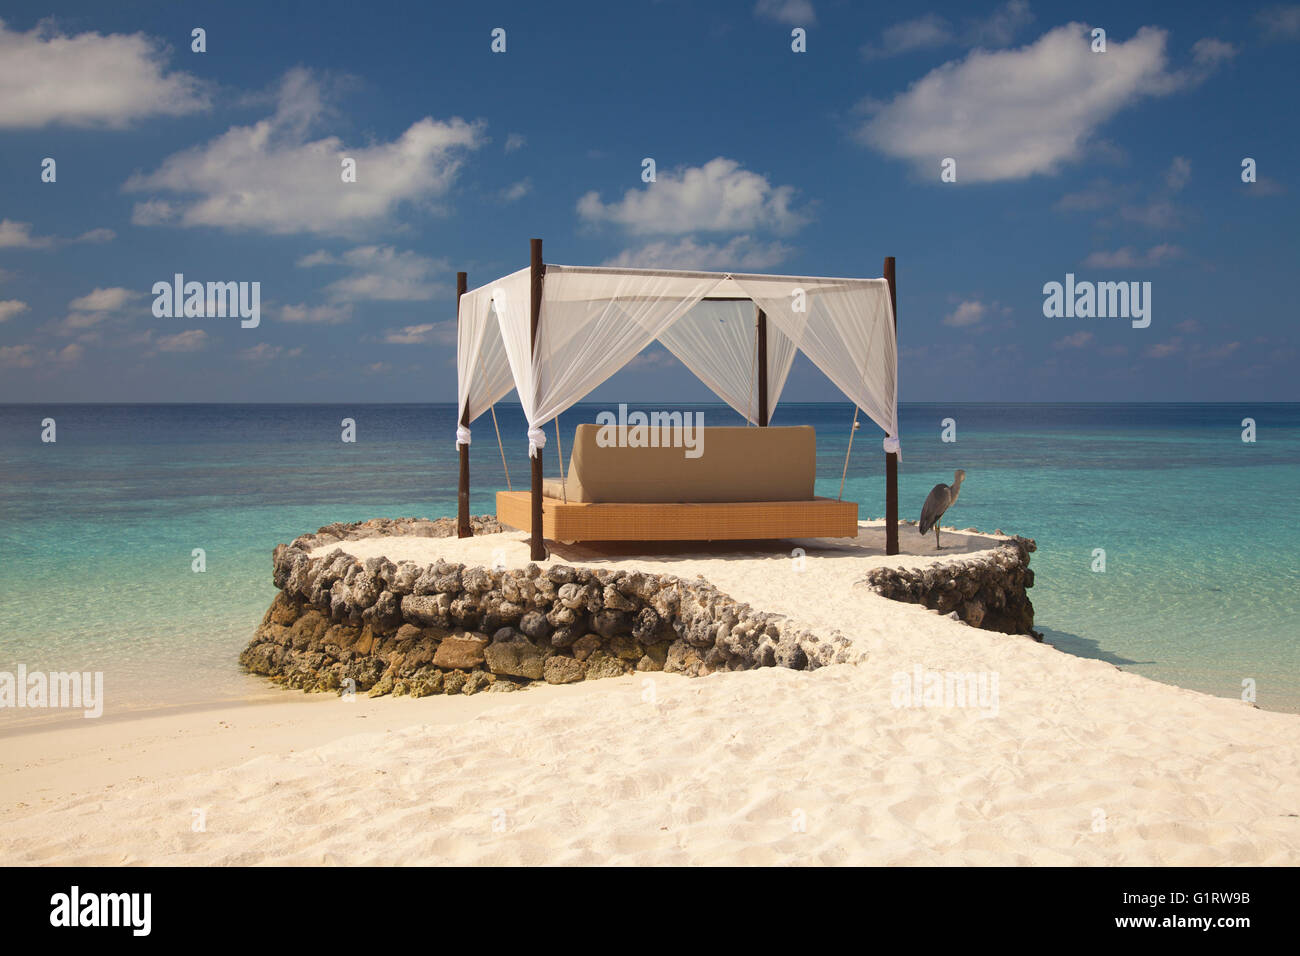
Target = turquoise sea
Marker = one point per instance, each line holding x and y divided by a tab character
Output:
98	528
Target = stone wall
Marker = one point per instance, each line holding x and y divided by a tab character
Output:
986	591
447	628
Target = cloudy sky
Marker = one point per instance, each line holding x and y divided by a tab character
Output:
224	165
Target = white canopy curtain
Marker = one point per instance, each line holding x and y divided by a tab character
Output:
594	320
846	328
483	373
717	340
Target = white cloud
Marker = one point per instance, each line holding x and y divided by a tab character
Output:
515	141
382	273
931	31
97	235
191	341
741	252
1157	214
18	235
1279	21
318	258
90	79
433	333
69	354
266	352
271	177
967	313
1164	349
1217	352
96	309
1264	186
922	33
1196	354
11	307
153	212
1211	51
794	12
316	314
1076	341
1097	195
1001	26
1129	258
17	356
26	356
104	300
77	322
517	190
719	196
1179	173
654	357
1016	113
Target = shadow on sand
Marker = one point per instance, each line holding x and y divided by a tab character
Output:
870	543
1083	647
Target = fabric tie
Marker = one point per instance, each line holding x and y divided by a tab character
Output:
536	442
893	447
462	435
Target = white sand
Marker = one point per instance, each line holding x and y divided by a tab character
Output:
1081	763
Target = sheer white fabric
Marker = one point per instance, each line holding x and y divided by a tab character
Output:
845	327
483	373
511	303
718	341
595	320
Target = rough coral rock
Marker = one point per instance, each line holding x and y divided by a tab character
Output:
460	653
559	669
987	591
339	624
515	658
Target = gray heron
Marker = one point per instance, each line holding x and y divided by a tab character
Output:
940	499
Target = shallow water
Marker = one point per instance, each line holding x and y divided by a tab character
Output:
97	530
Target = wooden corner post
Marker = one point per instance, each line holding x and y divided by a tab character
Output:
537	268
463	529
891	458
762	368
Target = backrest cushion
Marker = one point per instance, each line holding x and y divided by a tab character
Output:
734	464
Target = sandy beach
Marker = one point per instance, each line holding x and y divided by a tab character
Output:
1074	762
722	304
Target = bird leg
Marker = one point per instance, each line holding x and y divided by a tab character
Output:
937	545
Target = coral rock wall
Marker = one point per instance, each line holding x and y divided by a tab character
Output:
986	591
341	623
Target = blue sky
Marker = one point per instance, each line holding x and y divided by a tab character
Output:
224	165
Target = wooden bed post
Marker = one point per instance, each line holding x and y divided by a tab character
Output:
463	529
762	368
537	548
891	458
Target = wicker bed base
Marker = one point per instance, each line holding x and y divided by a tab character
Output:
722	521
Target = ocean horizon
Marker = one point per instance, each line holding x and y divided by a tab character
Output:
98	529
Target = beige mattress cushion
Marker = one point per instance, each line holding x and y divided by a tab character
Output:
735	464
